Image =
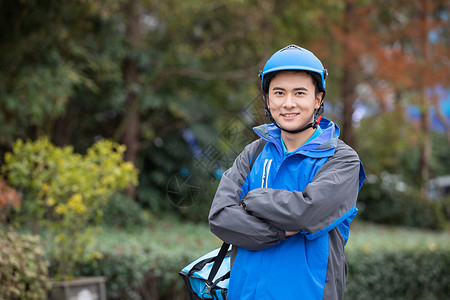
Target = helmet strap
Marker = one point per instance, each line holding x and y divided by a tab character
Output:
318	114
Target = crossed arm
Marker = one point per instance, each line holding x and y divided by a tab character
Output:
270	215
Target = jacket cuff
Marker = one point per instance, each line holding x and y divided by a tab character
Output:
281	234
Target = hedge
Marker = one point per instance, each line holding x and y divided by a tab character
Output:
398	275
383	275
145	262
145	265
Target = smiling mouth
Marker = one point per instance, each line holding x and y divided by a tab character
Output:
288	116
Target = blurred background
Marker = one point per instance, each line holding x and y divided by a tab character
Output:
176	82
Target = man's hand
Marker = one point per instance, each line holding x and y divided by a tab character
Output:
290	233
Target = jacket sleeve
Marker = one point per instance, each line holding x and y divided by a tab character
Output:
328	200
229	221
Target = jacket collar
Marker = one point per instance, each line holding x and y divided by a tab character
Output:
322	146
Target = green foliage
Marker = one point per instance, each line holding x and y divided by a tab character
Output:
23	266
173	182
383	141
123	269
204	64
61	74
67	191
124	213
148	260
440	164
60	69
387	146
398	275
388	200
408	164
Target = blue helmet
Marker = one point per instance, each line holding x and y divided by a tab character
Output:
294	57
289	58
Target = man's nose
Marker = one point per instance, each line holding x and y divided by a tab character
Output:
289	101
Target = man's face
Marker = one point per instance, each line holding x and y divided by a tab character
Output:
292	99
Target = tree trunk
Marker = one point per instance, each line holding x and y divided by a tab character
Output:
425	122
425	145
131	121
130	136
348	78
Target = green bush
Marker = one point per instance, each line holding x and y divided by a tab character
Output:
144	264
123	212
398	275
139	272
411	274
383	275
124	271
388	202
185	193
23	267
65	193
147	261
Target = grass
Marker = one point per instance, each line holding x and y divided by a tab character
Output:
371	237
162	235
172	235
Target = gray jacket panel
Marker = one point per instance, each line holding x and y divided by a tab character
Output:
337	267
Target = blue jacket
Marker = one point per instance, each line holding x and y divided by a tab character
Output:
312	191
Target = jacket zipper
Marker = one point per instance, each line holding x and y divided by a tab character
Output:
266	171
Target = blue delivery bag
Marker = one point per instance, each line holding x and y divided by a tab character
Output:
207	277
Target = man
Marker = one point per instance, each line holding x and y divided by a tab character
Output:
288	217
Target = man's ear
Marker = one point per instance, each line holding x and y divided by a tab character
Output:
318	100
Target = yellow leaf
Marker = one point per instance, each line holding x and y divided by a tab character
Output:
61	209
50	201
76	204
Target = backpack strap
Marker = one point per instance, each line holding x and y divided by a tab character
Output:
215	268
225	246
258	151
